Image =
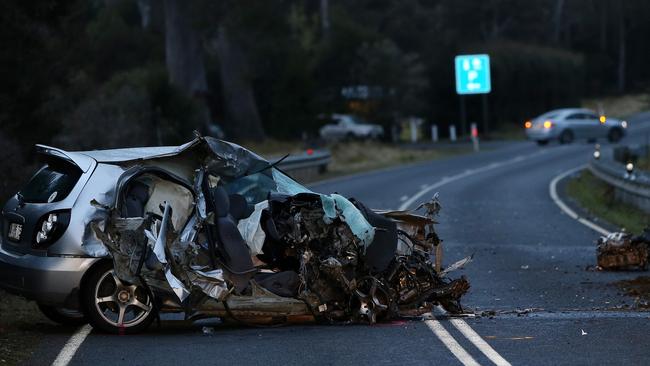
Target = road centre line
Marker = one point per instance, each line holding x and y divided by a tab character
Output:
469	172
461	354
481	344
452	345
552	190
72	345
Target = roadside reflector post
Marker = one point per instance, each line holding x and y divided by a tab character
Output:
434	133
452	133
474	130
414	129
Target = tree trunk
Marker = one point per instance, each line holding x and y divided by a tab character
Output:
144	7
325	17
603	25
621	49
183	49
557	20
243	120
183	56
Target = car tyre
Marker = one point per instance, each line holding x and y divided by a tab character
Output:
542	142
63	316
614	135
566	137
115	306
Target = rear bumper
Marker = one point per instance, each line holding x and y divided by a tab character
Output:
48	280
541	134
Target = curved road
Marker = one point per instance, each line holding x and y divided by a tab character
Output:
540	305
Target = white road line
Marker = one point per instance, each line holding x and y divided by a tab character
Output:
481	344
451	343
552	190
446	180
68	351
460	324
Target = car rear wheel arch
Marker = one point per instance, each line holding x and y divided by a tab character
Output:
87	300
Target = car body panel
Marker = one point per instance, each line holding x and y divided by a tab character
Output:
582	123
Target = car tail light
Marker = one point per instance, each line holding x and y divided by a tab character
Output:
50	228
528	124
548	124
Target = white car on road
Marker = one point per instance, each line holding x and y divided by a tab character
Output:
569	124
347	126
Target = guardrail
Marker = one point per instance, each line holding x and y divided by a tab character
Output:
632	188
306	166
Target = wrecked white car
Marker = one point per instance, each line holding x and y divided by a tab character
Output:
213	230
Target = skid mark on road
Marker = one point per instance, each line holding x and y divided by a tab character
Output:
72	345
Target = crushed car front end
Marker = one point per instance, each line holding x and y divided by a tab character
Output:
248	242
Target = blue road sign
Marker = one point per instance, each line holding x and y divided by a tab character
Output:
473	74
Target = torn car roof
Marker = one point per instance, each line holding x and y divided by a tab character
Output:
234	159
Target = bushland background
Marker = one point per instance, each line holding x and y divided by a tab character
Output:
88	74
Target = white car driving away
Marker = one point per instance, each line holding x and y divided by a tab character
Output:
346	126
569	124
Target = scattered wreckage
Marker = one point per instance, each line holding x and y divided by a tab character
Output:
213	230
623	251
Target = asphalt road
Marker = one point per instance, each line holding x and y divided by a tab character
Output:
528	256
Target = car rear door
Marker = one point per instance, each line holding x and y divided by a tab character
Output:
578	124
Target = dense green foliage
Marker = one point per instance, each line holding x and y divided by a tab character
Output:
92	73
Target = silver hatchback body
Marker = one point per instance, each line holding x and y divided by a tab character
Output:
65	195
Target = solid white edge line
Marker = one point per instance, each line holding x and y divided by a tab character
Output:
479	342
452	345
72	345
552	190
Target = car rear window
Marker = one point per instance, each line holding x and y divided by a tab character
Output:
52	183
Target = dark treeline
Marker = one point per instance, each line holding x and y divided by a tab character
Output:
106	73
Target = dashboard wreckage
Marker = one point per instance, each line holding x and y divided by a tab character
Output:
214	230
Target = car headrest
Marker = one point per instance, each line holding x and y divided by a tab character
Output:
239	207
221	201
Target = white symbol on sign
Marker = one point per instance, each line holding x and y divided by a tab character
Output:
476	63
466	65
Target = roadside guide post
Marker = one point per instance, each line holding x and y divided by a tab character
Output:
414	129
452	133
473	77
434	133
474	136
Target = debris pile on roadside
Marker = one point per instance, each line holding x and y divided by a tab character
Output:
247	242
623	251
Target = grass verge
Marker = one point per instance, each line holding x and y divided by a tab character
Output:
360	156
619	106
21	327
597	198
356	157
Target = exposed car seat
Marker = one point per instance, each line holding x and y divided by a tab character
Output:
232	247
381	251
135	199
239	207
